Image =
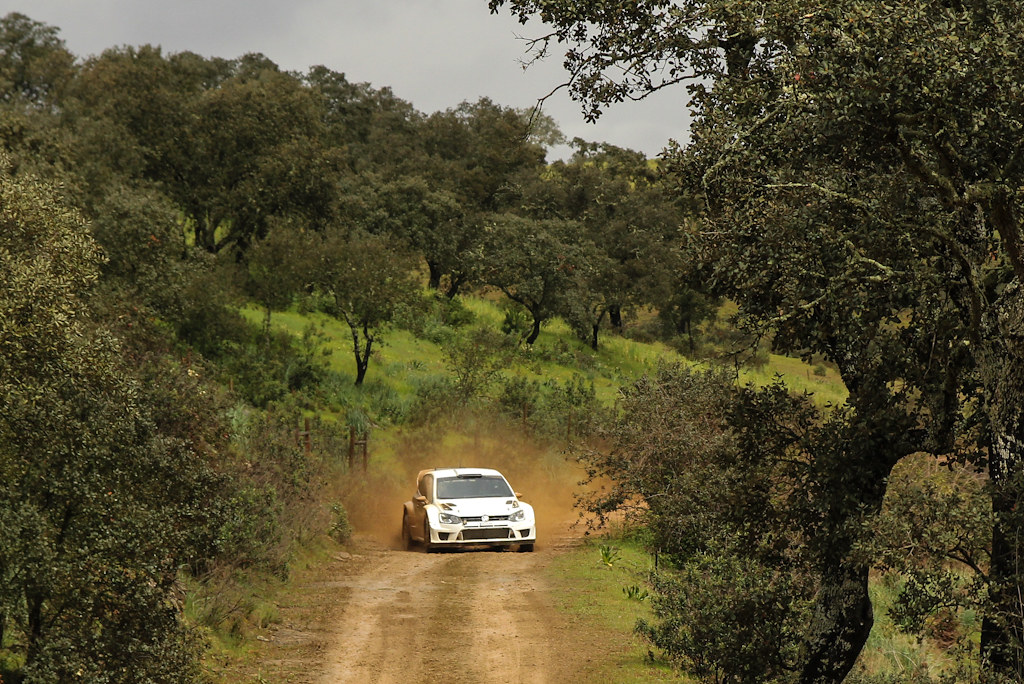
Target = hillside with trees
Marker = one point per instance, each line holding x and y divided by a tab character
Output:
158	211
202	257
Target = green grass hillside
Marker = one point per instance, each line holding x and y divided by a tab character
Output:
405	360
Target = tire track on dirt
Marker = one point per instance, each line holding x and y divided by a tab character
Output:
467	617
381	635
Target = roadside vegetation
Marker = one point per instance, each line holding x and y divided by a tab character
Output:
799	392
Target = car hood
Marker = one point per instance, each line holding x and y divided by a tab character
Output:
487	506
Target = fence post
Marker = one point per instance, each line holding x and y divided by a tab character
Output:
351	447
306	435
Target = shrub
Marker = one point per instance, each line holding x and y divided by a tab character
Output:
341	529
727	619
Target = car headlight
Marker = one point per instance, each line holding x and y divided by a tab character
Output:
517	515
449	519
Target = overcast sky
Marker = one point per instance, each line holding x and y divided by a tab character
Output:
432	53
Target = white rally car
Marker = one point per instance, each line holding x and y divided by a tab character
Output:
466	506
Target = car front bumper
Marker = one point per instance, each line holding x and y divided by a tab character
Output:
460	535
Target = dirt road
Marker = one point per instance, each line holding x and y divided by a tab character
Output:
379	614
462	617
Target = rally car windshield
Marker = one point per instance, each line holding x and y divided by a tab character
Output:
472	487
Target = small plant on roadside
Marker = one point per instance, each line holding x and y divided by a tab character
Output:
609	554
634	592
341	529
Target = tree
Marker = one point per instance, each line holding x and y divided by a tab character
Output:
629	217
233	144
366	279
429	220
854	211
35	66
277	268
539	264
473	154
689	456
99	509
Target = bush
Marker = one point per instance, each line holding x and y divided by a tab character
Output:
569	408
519	397
517	321
435	319
727	619
341	529
435	396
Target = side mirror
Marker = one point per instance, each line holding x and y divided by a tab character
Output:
420	499
518	495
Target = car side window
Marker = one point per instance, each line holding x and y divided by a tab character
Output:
426	483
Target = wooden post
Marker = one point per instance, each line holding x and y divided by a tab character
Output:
351	447
306	435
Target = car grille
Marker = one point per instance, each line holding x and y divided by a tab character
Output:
487	533
480	518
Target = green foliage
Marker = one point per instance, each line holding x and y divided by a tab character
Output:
861	180
516	322
634	592
341	529
97	504
540	265
736	487
474	361
435	319
519	397
727	618
609	555
277	268
35	66
367	280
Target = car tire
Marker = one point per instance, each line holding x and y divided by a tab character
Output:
407	540
526	548
427	546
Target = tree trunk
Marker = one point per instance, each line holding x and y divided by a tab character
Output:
34	603
362	363
1002	371
534	331
1000	629
361	353
455	283
596	327
840	626
615	316
854	488
434	277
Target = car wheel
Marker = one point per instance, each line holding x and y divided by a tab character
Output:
427	546
407	542
526	548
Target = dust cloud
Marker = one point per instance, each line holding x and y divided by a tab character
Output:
541	472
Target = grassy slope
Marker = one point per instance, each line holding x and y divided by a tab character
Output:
402	358
594	590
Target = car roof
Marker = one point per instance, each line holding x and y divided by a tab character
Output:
455	472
